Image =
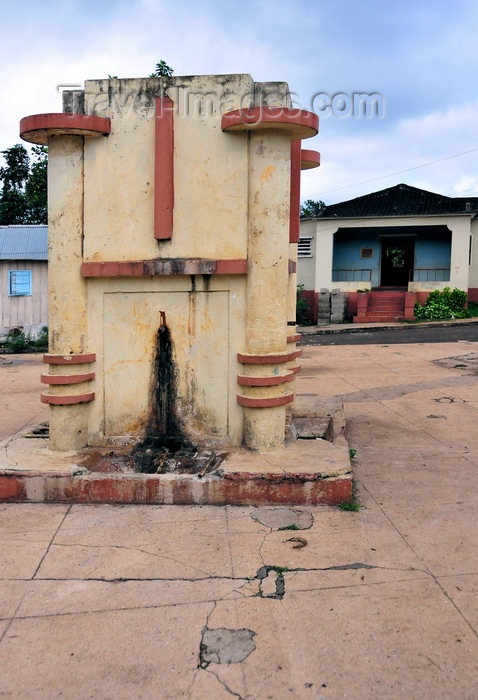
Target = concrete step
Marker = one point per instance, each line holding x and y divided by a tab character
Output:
390	310
385	305
378	319
386	295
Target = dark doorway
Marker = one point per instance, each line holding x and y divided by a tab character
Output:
398	255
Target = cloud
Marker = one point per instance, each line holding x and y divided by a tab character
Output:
418	55
432	141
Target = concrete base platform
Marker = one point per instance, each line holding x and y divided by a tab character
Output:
314	468
306	472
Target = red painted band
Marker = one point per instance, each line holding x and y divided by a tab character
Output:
242	380
264	403
38	127
231	267
66	378
296	369
292	268
164	266
69	359
294	205
164	169
299	123
309	159
294	338
66	400
266	359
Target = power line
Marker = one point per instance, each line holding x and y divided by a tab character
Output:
399	172
470	189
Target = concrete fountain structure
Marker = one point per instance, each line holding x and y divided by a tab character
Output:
173	230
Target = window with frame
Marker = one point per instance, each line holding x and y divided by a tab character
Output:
19	283
304	248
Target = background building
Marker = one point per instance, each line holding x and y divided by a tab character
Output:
398	240
23	275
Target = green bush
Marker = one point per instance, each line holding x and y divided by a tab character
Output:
42	339
443	304
302	308
18	341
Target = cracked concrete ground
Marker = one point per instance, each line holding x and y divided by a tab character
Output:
219	602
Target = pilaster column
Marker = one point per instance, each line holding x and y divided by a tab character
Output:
67	288
324	254
71	374
267	281
460	251
265	381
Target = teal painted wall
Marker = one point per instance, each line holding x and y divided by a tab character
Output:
432	250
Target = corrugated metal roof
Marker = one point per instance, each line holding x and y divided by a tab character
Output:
400	200
24	242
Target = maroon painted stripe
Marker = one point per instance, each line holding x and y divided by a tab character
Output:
267	359
264	381
69	359
294	207
231	267
296	369
66	400
294	338
66	378
164	266
264	403
164	169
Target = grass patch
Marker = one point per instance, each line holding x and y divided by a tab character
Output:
290	527
352	505
352	453
280	570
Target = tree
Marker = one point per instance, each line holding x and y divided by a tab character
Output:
23	199
14	176
311	208
36	189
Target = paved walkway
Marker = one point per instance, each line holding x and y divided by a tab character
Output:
219	602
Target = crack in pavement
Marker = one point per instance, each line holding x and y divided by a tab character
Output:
101	611
138	548
425	569
385	393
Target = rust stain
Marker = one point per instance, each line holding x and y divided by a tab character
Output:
268	172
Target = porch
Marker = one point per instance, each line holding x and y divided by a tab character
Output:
403	258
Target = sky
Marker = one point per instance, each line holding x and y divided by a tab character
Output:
419	57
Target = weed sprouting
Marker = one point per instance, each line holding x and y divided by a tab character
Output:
290	527
351	505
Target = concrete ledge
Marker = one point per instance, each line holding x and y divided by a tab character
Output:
308	472
230	489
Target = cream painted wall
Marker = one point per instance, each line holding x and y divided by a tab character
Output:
231	194
473	282
207	328
210	169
